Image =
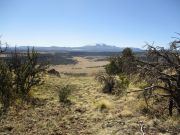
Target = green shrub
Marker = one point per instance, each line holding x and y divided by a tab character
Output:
115	66
27	72
19	72
108	82
122	85
124	64
64	93
113	84
6	91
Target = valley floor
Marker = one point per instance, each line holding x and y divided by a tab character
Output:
91	112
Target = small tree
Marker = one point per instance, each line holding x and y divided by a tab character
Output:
163	72
6	91
18	74
27	71
127	52
124	64
6	96
115	66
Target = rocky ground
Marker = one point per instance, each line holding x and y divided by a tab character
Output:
90	112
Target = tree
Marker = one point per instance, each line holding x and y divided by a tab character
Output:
6	96
115	66
6	91
163	72
19	72
27	71
127	52
124	64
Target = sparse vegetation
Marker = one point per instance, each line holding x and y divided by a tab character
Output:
18	75
108	82
124	64
65	92
160	71
90	111
122	84
113	84
6	91
27	72
163	73
75	74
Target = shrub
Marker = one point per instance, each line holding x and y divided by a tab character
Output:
6	91
19	72
124	64
64	93
112	84
115	66
122	85
127	52
108	82
27	72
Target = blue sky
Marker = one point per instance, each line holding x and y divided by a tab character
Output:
87	22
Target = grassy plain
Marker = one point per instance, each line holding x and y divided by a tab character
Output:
84	65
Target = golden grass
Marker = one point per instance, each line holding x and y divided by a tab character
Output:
103	104
82	66
115	115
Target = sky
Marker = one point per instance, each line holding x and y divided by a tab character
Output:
87	22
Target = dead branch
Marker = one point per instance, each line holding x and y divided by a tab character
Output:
142	127
162	70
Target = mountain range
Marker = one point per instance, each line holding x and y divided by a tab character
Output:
87	48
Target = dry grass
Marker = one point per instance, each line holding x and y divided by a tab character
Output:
103	105
91	112
84	65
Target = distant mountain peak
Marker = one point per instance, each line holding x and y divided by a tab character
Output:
99	47
102	44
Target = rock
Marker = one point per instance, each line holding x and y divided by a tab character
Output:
54	72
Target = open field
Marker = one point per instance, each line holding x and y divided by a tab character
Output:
90	112
84	65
